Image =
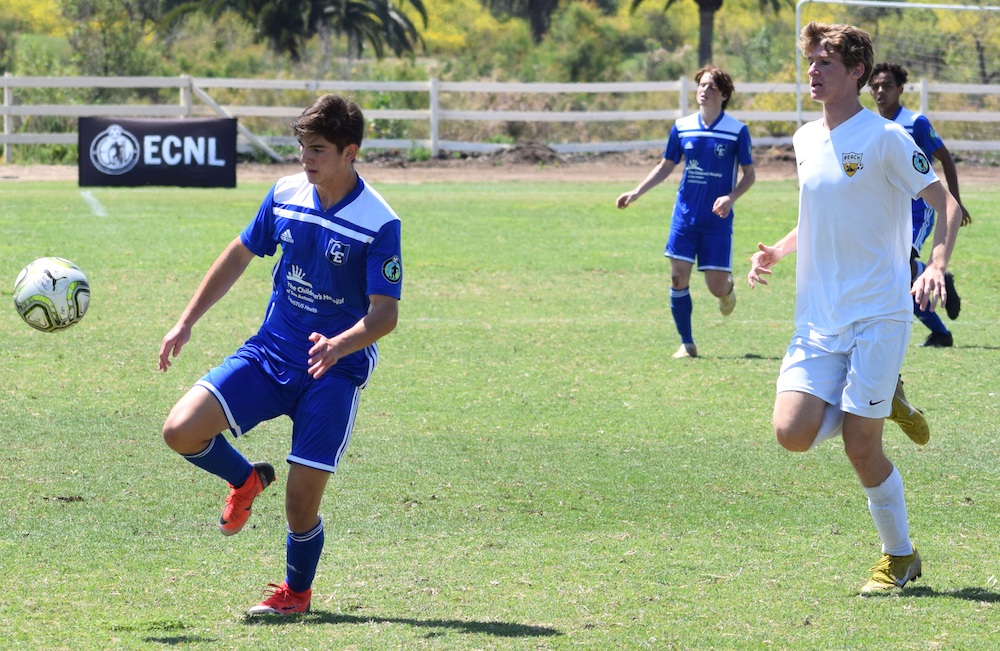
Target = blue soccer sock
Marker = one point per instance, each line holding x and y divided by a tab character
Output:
302	556
681	308
930	319
222	460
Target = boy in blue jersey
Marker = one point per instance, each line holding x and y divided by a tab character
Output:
886	87
336	289
713	145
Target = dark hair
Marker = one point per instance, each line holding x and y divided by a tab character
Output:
722	81
897	71
337	119
853	45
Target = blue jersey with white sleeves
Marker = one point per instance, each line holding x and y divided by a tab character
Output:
331	261
920	129
712	156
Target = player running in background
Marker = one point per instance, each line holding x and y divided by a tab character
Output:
713	145
886	87
336	290
857	175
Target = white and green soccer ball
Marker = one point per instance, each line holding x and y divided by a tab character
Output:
51	294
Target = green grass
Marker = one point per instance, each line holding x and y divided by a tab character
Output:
530	468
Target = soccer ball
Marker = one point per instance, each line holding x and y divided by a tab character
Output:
51	294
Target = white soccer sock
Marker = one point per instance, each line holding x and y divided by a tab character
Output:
887	505
832	425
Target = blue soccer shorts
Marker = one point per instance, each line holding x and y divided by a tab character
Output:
923	225
253	386
710	250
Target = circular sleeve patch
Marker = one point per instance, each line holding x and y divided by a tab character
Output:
920	163
392	270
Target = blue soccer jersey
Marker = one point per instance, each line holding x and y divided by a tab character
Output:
331	261
712	156
920	129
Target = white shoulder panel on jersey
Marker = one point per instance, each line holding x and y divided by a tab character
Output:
295	189
729	124
906	117
688	123
368	210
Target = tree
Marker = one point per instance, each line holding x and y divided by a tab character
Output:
537	12
706	26
107	35
287	24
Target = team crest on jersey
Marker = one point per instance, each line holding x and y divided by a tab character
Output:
392	270
920	162
337	252
720	150
852	163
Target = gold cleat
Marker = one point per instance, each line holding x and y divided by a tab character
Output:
727	303
893	572
909	418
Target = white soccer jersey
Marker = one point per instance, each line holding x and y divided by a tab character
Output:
856	184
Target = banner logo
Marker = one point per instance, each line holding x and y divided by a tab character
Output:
114	150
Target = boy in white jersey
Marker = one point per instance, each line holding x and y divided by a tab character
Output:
336	290
713	145
857	175
886	87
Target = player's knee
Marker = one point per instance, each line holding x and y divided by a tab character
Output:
173	434
181	437
793	439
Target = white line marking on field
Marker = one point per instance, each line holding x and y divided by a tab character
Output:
95	205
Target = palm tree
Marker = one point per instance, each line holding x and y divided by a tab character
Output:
706	28
287	24
378	22
537	12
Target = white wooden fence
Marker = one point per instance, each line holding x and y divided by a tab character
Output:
192	89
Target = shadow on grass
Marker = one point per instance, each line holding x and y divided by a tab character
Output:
968	594
499	629
177	640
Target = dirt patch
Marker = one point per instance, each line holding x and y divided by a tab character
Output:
529	162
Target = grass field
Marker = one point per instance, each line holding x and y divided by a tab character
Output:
530	468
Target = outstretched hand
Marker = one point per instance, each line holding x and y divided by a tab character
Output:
172	343
966	217
929	289
761	263
626	198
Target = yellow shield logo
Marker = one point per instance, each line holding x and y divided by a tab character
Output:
852	163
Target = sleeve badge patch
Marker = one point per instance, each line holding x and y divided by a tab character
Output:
920	162
392	270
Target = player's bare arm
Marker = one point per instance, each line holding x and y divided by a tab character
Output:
659	173
768	256
723	205
929	286
380	321
951	177
224	272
